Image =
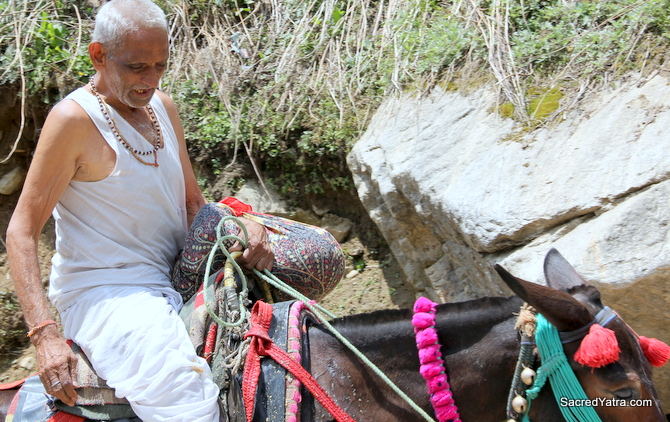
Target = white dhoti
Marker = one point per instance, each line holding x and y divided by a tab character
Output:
137	343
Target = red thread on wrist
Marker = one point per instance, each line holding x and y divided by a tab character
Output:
38	327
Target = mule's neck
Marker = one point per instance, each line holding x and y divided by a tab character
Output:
480	347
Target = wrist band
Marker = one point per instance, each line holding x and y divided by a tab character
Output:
40	326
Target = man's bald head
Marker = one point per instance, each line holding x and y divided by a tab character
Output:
117	19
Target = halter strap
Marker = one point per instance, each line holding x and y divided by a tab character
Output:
553	360
602	318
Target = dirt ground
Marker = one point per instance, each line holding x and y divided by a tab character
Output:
377	284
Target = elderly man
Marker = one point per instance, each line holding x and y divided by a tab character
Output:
111	164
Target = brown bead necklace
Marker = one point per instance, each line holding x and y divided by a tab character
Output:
115	130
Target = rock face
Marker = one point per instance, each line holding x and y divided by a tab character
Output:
454	187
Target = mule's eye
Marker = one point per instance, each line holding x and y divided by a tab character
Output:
624	393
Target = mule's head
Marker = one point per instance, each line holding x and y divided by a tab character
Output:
569	303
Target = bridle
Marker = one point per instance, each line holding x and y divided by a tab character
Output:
526	383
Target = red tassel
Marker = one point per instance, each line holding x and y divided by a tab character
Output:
599	348
655	350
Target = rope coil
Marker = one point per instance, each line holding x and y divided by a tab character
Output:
320	312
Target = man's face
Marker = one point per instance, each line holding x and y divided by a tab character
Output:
135	68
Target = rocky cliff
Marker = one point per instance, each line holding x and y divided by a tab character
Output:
455	187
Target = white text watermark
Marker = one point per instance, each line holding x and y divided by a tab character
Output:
603	402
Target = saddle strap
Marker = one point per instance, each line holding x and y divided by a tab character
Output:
262	345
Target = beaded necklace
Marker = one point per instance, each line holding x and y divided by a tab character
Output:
115	130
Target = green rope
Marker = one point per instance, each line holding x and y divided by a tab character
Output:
244	313
274	281
271	279
563	381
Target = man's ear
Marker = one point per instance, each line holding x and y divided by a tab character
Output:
98	55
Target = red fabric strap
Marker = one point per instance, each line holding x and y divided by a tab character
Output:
12	385
61	416
236	205
262	345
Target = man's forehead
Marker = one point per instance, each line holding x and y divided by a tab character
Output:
143	42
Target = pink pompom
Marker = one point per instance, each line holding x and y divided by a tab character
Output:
599	348
431	369
437	383
423	304
449	413
429	354
655	350
426	337
442	398
423	320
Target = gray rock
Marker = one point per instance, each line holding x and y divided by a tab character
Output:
12	181
455	188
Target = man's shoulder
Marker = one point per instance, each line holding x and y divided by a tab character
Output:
167	101
67	122
67	112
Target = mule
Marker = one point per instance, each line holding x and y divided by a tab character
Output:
480	347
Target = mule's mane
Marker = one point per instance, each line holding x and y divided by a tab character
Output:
491	305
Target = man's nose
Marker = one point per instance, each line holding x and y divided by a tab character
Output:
152	76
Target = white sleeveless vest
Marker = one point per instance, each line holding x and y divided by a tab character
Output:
128	228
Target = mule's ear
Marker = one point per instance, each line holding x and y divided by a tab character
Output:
559	308
559	273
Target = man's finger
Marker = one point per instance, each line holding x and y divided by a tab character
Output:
265	262
68	393
73	370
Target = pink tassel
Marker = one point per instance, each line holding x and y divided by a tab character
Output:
429	354
442	398
423	320
426	337
437	383
447	414
599	348
431	370
655	350
424	305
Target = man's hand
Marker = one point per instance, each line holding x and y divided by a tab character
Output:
57	364
258	253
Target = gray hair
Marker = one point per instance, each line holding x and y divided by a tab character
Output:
118	18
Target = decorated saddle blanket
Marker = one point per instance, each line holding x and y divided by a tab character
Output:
307	258
96	401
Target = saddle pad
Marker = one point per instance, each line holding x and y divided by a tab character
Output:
96	400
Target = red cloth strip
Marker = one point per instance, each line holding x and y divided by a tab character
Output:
13	385
262	345
236	205
61	416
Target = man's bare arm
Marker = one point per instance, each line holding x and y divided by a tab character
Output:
59	157
194	198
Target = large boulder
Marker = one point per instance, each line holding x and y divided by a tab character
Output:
454	187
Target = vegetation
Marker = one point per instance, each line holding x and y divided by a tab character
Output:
289	86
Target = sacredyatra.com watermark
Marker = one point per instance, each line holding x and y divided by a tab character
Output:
603	402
